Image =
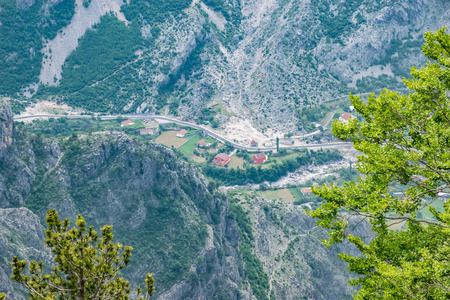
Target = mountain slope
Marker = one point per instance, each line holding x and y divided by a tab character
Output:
259	60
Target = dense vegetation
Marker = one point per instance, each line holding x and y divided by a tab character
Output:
273	173
101	52
20	45
60	15
21	37
153	12
405	163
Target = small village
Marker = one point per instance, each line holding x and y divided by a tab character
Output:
200	148
188	140
184	139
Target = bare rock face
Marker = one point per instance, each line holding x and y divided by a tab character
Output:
22	235
6	127
24	4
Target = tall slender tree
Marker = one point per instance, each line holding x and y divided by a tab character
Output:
405	141
86	266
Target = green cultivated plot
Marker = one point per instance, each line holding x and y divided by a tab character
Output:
190	145
283	194
296	192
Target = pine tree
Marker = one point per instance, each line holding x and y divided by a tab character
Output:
87	265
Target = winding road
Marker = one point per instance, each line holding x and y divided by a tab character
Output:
192	125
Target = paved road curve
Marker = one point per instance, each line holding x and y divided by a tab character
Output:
193	125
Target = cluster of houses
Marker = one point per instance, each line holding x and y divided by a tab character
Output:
150	126
222	159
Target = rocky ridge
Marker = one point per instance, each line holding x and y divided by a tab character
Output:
6	127
143	190
20	233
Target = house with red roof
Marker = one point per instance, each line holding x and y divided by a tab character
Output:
181	133
259	158
306	191
346	117
203	144
148	131
221	159
126	123
254	143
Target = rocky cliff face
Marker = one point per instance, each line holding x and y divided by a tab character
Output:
288	244
6	127
22	234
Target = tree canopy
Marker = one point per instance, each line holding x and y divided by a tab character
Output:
405	162
87	264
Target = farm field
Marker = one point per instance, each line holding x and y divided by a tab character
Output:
271	160
283	194
236	162
296	193
169	138
438	204
198	159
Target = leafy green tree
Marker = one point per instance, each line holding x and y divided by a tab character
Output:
87	265
405	141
